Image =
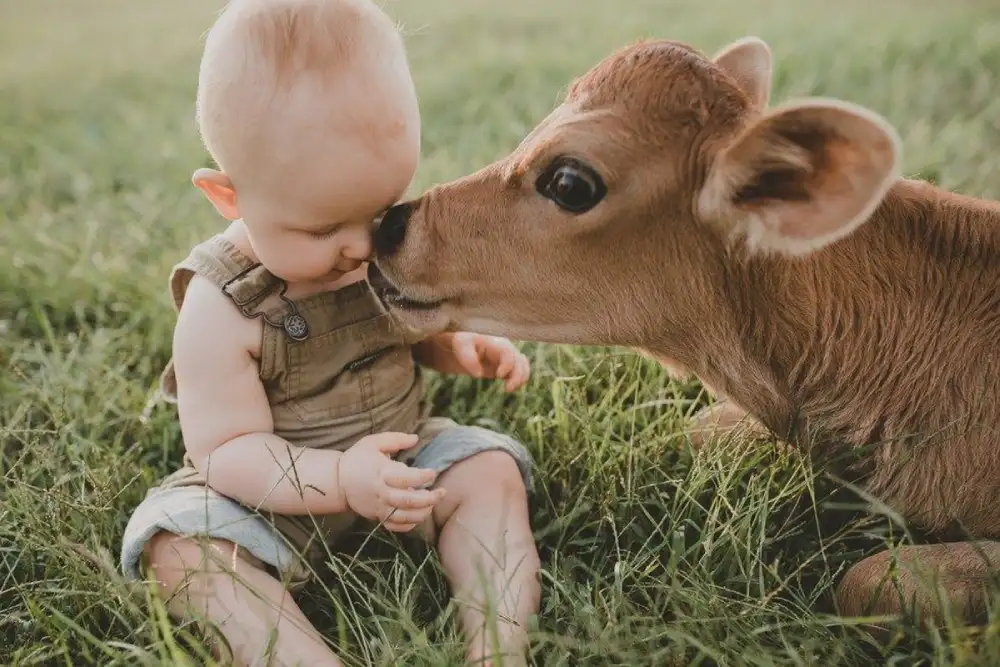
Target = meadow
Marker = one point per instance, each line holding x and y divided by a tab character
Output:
651	555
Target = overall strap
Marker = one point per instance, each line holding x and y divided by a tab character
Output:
254	290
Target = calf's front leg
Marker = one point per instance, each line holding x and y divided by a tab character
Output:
720	420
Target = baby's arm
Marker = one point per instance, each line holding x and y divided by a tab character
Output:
437	352
226	420
228	431
465	353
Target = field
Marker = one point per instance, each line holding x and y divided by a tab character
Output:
651	555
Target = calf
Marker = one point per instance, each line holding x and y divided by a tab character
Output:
775	253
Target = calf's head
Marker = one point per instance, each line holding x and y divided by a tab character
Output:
617	217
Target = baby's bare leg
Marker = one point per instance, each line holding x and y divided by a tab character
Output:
485	542
256	615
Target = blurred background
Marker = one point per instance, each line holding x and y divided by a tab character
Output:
98	95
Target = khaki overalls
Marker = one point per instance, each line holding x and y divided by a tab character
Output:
334	369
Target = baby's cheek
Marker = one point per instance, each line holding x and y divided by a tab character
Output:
289	261
311	266
325	253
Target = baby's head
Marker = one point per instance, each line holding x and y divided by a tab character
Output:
308	108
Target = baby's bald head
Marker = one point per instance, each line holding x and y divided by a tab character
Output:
308	108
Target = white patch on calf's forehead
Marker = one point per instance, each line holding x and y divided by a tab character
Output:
572	133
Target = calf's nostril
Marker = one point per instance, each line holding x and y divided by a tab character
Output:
389	233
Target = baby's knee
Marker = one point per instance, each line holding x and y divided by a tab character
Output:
489	478
504	474
491	472
172	559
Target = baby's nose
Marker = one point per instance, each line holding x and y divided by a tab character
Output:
358	249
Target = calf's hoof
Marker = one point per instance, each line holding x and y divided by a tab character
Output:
934	584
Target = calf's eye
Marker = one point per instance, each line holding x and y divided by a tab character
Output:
571	185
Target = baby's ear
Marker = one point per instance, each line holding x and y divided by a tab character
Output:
219	190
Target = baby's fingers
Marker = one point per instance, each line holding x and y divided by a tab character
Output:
402	476
519	376
508	362
399	527
405	517
412	500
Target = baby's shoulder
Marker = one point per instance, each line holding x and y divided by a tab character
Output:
207	313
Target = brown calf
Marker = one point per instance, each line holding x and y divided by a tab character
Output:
777	254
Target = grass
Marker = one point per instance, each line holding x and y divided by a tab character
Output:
651	556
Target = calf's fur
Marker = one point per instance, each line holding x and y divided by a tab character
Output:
775	253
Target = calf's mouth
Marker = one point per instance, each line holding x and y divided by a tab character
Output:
417	318
391	296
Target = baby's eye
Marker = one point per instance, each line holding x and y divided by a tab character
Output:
323	233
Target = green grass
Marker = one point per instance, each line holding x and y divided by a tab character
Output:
651	556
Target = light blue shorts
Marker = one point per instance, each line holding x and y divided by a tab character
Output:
182	504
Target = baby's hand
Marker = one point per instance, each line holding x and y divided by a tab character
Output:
493	357
380	489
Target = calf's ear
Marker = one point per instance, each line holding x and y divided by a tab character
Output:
748	61
801	176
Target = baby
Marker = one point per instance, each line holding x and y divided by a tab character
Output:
301	405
